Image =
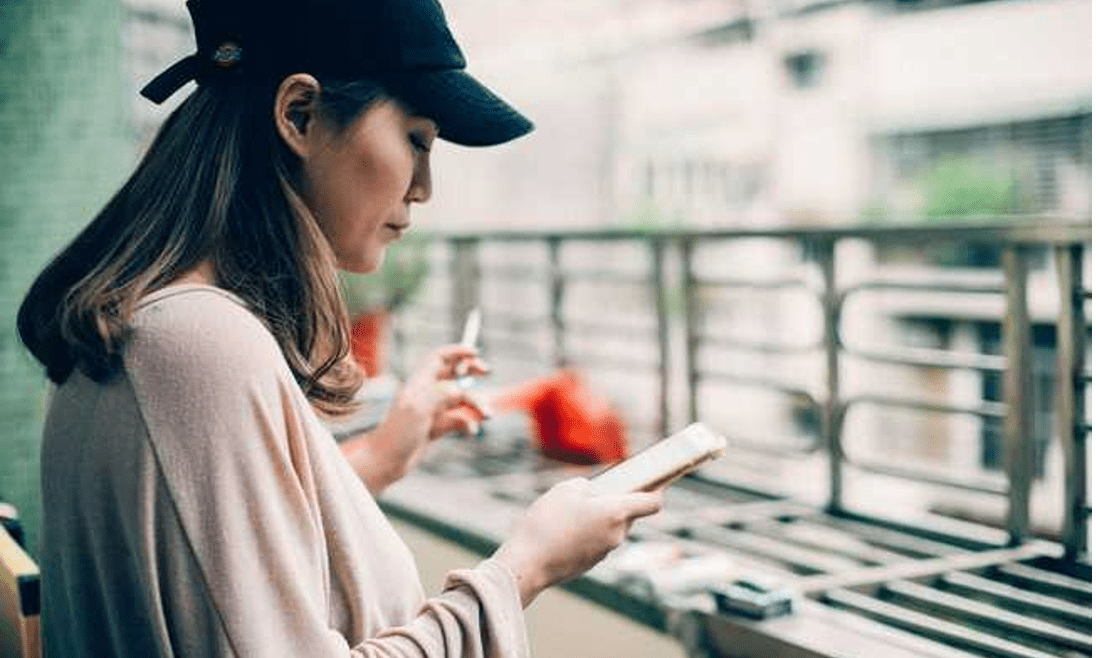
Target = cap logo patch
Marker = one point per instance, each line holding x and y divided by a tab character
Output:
227	55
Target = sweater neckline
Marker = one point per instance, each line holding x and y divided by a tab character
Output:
174	289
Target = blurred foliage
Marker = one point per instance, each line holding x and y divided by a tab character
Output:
400	277
962	188
958	188
648	216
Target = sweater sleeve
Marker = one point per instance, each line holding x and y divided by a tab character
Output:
241	473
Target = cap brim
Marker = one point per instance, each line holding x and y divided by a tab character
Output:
467	112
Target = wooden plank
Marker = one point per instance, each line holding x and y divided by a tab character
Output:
930	626
958	606
19	600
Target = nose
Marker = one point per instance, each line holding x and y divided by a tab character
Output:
421	184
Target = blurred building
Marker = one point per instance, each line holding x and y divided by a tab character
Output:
734	112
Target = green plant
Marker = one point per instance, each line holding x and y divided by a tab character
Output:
962	187
405	267
649	216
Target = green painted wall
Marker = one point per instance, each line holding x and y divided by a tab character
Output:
63	151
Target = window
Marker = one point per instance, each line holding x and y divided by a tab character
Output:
804	68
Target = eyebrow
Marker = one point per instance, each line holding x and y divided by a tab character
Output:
431	124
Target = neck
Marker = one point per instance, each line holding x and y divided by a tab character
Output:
205	273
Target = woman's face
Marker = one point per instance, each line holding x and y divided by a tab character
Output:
360	182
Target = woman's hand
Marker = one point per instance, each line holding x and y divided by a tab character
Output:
428	405
568	530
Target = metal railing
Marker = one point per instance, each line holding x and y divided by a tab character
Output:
664	274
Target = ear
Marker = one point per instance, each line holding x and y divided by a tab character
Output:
295	110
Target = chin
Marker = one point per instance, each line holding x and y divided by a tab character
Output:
363	264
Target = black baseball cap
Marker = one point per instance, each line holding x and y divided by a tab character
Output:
405	45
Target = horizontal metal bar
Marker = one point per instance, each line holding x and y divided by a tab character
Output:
512	345
760	382
615	277
778	449
966	482
611	361
930	626
930	358
962	561
671	519
804	533
980	285
1018	598
1044	229
957	606
1047	582
618	330
894	540
971	536
495	319
514	272
800	560
984	410
754	284
760	347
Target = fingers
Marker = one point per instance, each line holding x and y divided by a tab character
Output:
473	366
462	419
642	504
456	396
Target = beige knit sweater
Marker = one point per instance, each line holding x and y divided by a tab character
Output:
196	506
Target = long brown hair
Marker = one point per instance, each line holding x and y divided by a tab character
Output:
216	183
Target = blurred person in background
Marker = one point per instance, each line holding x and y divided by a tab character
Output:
194	503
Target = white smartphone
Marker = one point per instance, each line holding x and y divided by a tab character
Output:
663	462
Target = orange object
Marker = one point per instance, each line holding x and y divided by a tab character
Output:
367	342
572	423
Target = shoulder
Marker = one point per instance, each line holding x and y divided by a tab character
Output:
200	329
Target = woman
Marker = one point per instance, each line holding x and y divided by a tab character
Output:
194	504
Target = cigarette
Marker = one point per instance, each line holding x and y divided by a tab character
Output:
468	339
471	329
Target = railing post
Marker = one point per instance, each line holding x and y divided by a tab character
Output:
465	281
832	414
1019	411
658	281
555	302
692	328
1069	393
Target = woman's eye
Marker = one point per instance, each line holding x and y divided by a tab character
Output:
419	143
